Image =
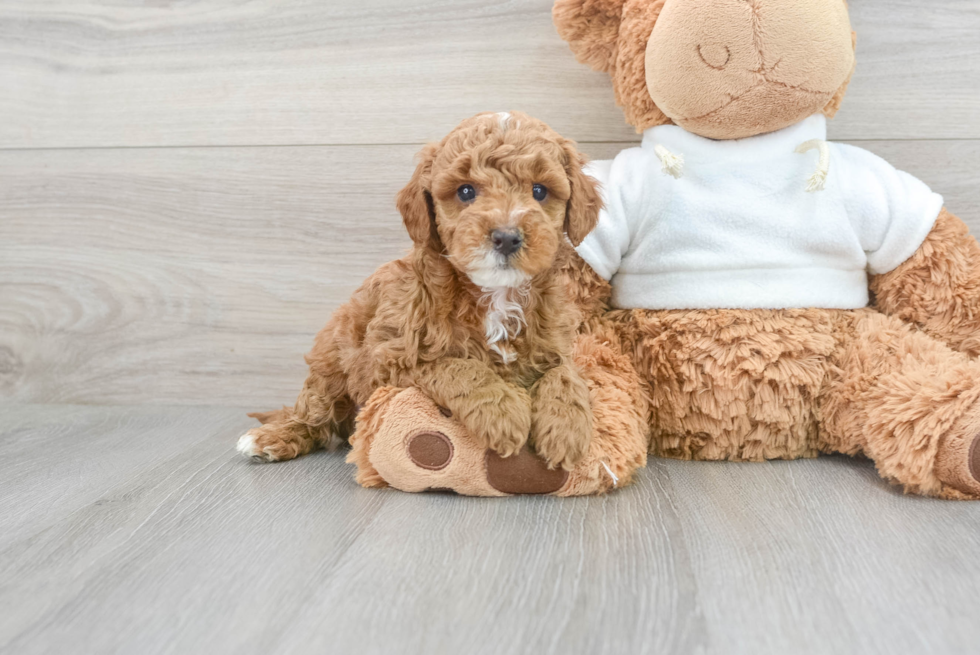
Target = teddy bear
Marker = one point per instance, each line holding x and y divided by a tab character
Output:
779	295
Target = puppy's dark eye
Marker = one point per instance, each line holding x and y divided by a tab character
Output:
466	193
540	192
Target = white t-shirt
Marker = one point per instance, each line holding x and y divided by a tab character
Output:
739	229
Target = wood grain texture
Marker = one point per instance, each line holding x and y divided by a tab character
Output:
138	530
201	275
98	73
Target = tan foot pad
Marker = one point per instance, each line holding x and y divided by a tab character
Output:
524	473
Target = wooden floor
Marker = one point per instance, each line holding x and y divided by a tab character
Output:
138	530
188	189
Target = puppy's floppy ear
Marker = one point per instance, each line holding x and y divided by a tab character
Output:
584	203
415	202
591	28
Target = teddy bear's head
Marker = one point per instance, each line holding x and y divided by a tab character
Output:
723	69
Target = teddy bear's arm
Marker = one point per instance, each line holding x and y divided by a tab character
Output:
938	288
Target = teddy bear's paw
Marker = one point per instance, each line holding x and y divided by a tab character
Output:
973	468
958	465
974	459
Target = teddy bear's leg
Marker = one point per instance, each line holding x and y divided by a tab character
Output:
737	385
405	440
938	288
907	401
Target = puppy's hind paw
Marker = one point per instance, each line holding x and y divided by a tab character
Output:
248	447
276	442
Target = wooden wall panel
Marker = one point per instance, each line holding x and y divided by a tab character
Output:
200	275
100	73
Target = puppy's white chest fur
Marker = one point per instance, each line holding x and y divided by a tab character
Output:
504	319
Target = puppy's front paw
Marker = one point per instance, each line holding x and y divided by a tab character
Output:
499	417
561	432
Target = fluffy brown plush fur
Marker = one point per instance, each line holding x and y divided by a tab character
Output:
938	288
898	381
487	336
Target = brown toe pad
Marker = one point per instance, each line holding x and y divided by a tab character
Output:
524	473
431	450
975	459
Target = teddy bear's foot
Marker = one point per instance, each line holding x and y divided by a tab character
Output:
958	466
957	462
524	473
404	440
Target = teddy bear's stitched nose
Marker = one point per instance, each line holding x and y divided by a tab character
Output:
715	55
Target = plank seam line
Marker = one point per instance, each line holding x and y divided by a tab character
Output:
418	144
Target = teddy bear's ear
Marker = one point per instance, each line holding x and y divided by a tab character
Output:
591	28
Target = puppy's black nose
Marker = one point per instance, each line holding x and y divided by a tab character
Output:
507	242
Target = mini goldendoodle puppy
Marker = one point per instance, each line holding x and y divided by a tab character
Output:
477	316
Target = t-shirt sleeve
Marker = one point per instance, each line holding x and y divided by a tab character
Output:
891	211
606	245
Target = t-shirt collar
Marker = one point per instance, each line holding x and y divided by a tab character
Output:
765	146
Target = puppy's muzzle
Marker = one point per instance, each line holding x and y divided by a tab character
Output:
506	242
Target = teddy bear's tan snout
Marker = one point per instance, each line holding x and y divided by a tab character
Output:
729	69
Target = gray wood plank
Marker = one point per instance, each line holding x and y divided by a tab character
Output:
271	72
200	275
160	535
178	546
61	459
